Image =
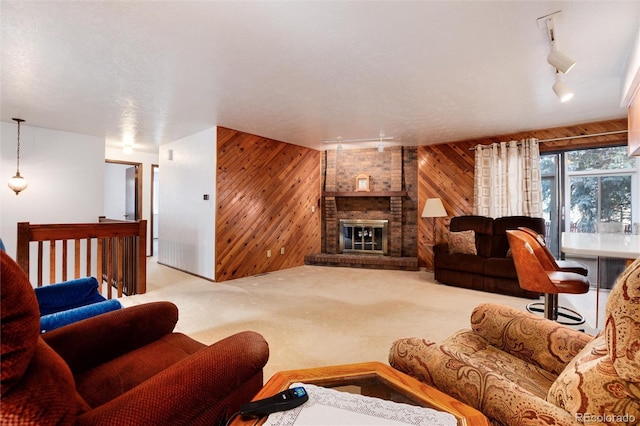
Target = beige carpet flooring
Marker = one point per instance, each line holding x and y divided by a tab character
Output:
314	316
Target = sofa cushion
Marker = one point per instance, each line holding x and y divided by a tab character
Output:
622	324
480	380
67	295
500	267
481	225
592	392
603	379
530	376
113	378
461	262
463	242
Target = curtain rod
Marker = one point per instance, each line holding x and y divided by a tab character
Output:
593	135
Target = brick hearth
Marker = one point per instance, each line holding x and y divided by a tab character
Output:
363	261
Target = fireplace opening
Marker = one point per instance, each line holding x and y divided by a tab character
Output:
364	236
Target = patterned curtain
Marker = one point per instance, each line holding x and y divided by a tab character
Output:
507	179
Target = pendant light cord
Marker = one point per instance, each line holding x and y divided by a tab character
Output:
18	151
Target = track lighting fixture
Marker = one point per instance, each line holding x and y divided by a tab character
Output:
379	139
556	58
380	145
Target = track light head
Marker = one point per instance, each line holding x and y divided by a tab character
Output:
556	58
560	61
562	91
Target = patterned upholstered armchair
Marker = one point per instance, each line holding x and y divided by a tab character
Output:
521	369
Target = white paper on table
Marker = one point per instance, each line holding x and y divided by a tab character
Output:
331	407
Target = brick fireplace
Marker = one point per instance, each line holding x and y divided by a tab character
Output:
392	197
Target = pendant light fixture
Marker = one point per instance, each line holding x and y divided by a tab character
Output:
18	183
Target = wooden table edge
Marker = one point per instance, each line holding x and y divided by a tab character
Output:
465	414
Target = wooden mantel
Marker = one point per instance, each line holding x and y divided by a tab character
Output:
366	194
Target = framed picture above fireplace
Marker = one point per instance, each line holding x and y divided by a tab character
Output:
362	182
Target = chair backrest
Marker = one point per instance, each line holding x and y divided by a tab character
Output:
531	275
37	385
545	256
500	245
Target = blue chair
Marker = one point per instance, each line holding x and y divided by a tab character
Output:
71	301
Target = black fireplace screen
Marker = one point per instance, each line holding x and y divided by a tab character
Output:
364	236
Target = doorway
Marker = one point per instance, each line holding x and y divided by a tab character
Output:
155	178
122	190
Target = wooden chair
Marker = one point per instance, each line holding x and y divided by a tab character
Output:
549	262
529	256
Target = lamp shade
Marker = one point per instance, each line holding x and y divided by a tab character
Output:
560	61
17	183
434	208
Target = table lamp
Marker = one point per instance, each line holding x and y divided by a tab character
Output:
434	208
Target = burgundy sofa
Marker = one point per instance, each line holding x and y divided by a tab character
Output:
490	269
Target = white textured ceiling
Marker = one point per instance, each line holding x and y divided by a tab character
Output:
301	71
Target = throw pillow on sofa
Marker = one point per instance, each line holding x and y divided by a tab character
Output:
463	242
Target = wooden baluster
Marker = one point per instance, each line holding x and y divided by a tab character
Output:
76	259
52	261
120	264
99	270
109	266
64	260
39	263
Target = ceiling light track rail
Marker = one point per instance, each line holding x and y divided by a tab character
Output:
386	138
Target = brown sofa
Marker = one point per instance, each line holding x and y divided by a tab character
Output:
520	369
489	269
125	367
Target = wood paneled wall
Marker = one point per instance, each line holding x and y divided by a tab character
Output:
266	191
446	171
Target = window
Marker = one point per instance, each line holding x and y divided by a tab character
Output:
601	183
583	187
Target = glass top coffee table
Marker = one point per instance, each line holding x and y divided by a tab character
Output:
371	379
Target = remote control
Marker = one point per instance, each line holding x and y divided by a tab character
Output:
285	400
